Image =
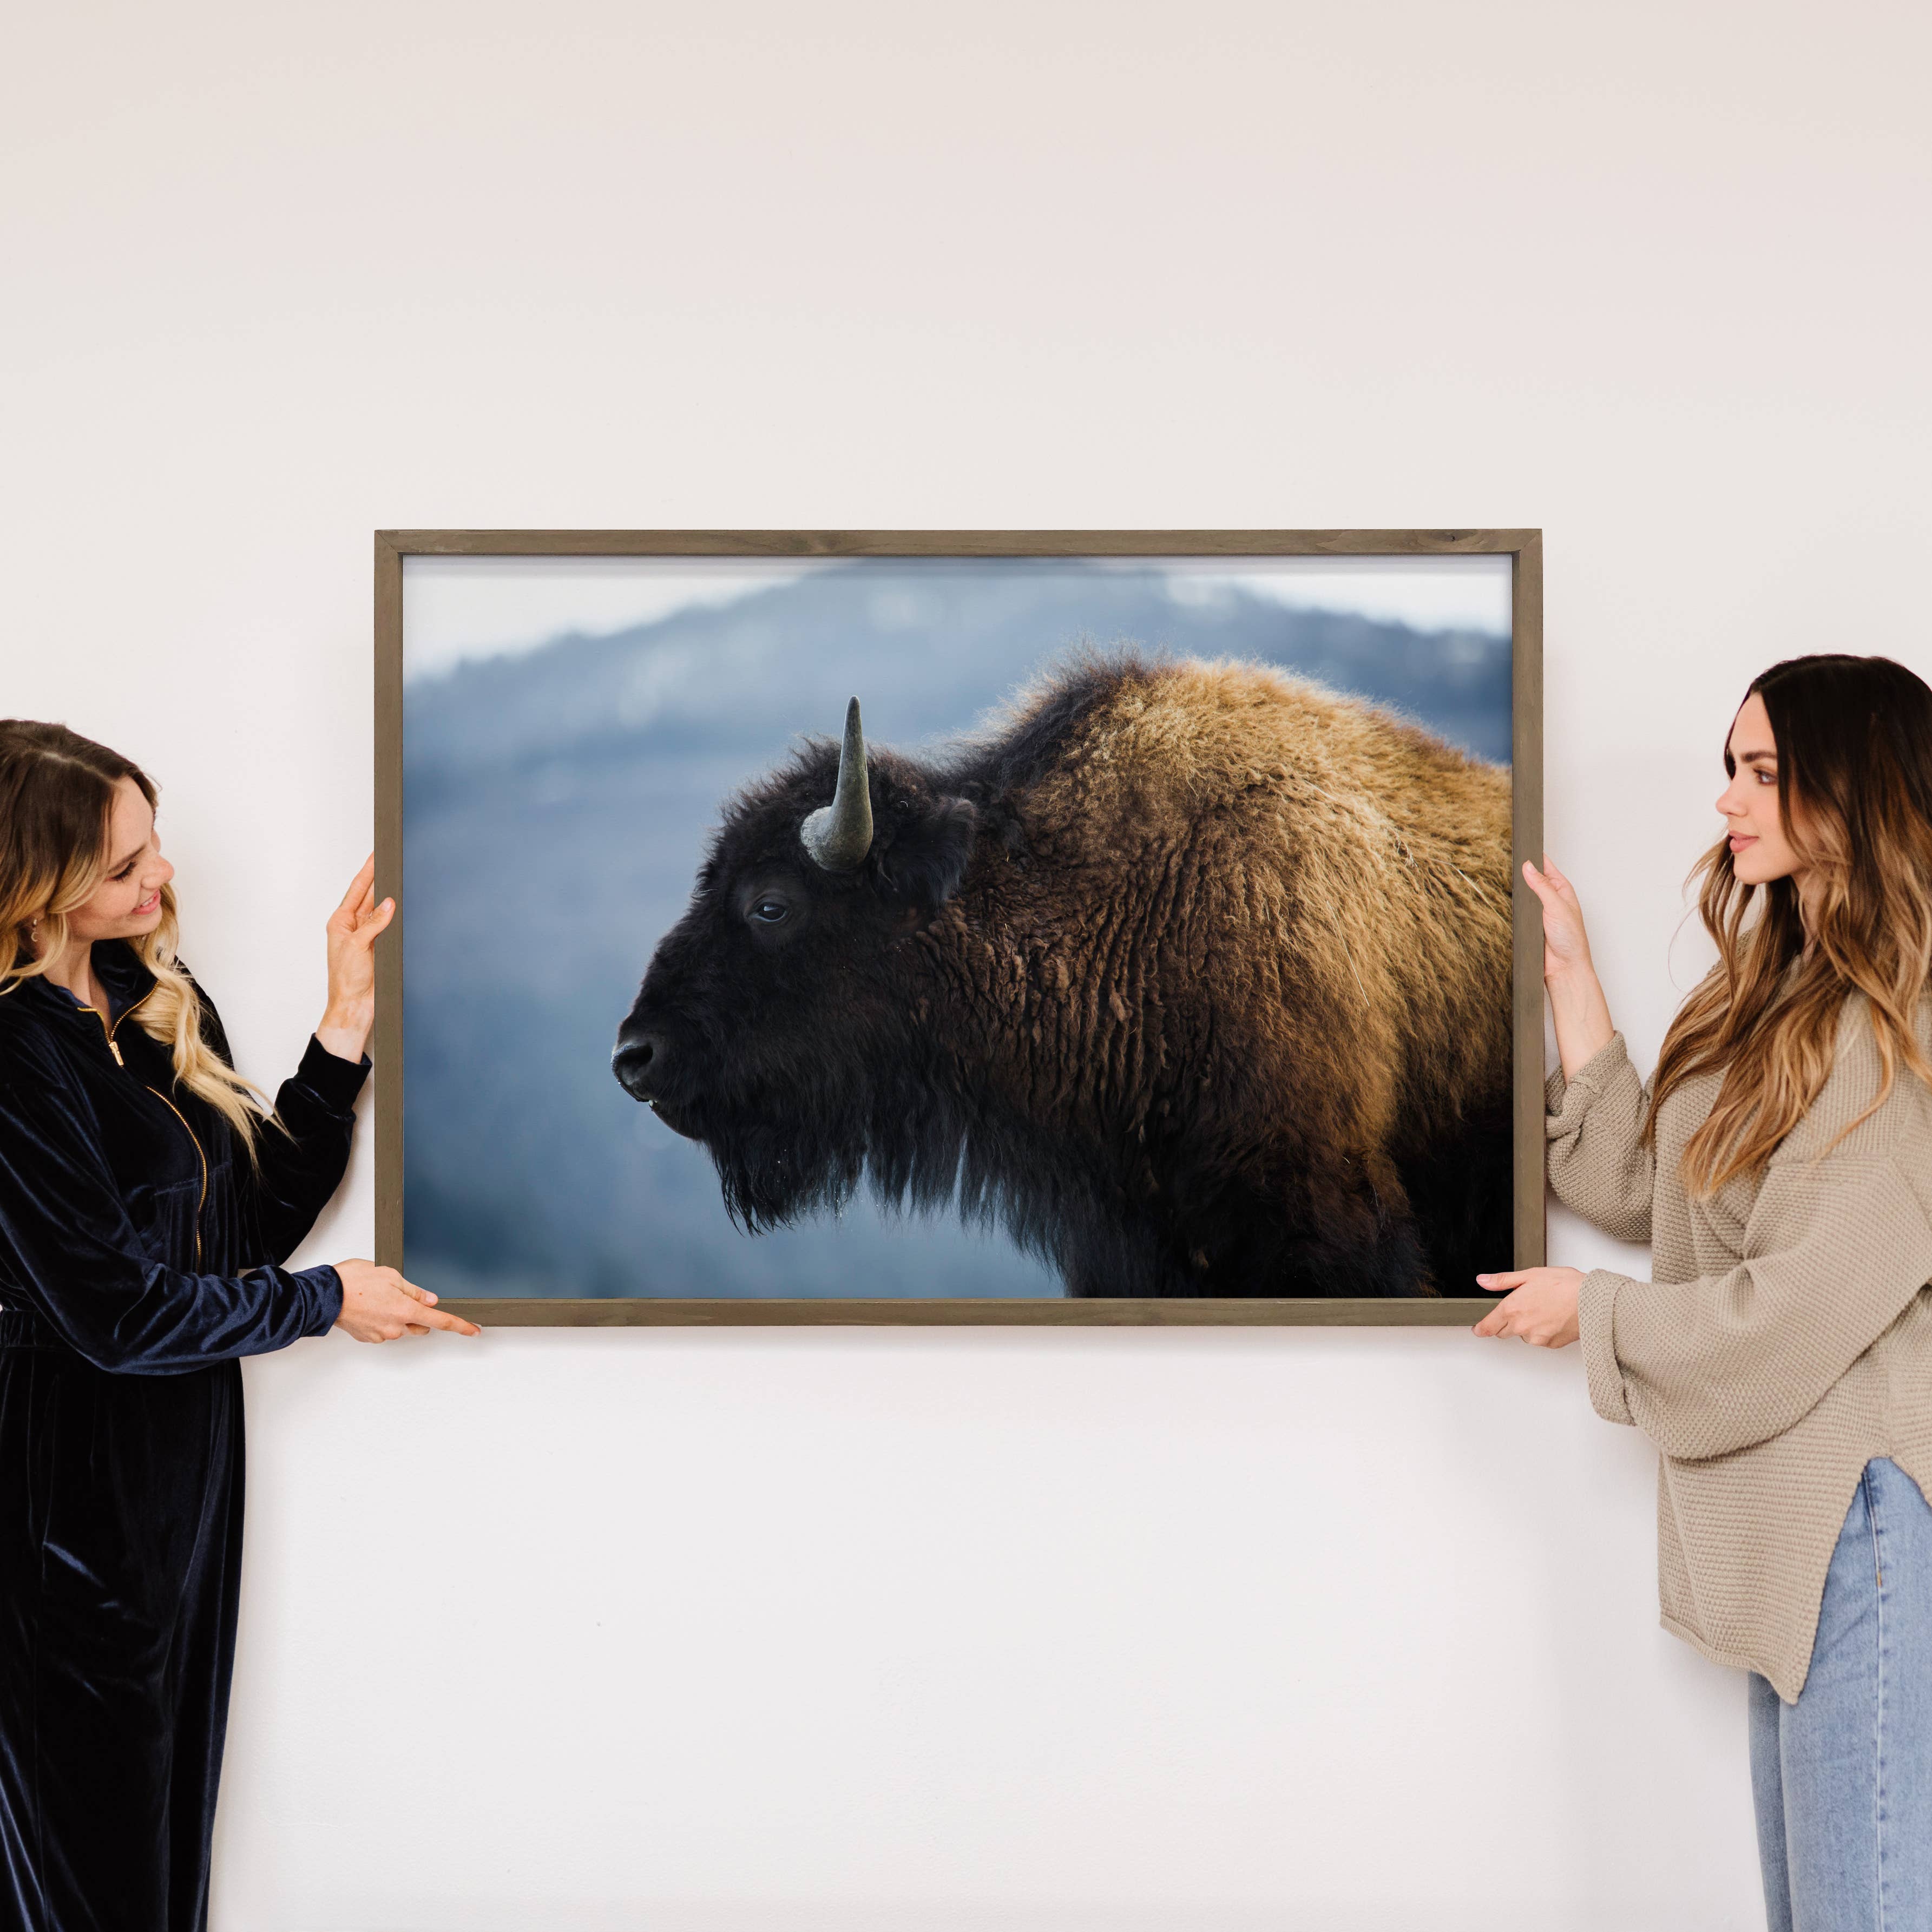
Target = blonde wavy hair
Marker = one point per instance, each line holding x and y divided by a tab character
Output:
56	804
1854	742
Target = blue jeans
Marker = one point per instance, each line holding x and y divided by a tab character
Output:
1842	1779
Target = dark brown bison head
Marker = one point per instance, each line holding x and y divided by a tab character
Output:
777	1022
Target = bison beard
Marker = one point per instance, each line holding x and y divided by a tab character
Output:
1194	977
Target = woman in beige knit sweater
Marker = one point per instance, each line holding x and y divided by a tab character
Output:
1780	1162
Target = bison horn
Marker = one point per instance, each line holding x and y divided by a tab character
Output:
839	835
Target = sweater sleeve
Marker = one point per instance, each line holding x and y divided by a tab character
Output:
73	1257
1835	1251
1598	1161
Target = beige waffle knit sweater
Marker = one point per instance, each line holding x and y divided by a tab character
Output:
1786	1340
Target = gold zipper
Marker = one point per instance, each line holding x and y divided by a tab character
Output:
112	1030
113	1046
201	1153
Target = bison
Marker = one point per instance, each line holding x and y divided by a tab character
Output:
1195	976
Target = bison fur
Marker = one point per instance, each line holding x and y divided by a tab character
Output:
1195	977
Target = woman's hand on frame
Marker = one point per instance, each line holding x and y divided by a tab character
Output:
352	930
1539	1306
1576	1003
378	1305
1566	942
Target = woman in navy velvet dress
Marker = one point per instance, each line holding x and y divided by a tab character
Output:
148	1202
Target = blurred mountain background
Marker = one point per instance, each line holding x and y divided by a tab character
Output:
556	806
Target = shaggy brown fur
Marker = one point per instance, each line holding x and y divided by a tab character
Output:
1196	974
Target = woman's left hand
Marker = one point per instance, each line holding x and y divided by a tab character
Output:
1539	1306
352	929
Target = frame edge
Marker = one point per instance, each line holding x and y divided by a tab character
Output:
1108	1312
388	1040
1531	1243
1525	548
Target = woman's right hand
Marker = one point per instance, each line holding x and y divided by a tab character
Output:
1577	1007
1566	946
378	1305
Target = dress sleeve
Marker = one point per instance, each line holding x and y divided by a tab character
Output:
1598	1161
75	1258
300	1162
303	1161
1835	1251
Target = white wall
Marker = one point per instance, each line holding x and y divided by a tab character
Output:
775	1632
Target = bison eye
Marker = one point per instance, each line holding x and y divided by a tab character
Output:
768	911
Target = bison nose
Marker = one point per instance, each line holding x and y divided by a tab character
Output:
639	1062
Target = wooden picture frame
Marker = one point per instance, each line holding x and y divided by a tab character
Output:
1523	547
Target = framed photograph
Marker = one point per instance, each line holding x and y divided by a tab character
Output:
920	926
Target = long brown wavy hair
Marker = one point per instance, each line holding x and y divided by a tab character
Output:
1854	743
56	805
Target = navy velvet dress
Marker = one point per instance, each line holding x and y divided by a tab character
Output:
140	1259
